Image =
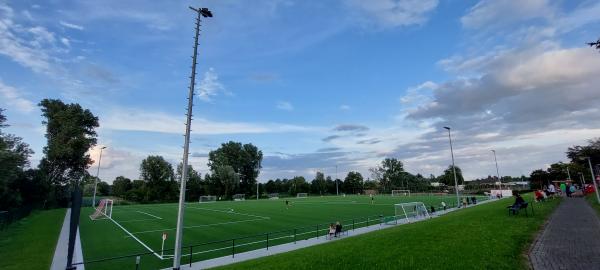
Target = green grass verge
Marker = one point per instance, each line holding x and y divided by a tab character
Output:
483	237
593	201
30	242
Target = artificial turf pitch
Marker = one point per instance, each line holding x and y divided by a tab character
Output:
253	224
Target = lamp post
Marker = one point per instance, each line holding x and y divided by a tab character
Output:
453	168
201	12
593	179
337	192
97	174
497	171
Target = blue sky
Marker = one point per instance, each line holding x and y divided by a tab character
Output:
314	84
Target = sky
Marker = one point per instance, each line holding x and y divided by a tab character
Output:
313	84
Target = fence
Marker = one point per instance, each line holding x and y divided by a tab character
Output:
8	217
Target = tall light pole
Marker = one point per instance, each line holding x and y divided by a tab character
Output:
497	171
201	12
97	174
337	192
453	168
593	179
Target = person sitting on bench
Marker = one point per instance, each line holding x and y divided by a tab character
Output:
519	201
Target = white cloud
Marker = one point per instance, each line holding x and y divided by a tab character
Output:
72	26
345	107
395	13
492	12
210	86
65	41
138	120
11	98
284	105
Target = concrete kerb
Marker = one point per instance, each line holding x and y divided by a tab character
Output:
59	261
254	254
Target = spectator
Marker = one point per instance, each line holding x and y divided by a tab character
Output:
539	196
432	209
519	201
338	229
473	200
551	190
444	205
568	190
331	231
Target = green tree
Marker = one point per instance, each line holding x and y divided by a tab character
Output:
160	184
227	179
70	131
353	183
448	177
390	174
14	155
539	178
120	186
194	185
319	184
244	159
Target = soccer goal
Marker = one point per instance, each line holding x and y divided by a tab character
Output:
239	197
207	199
401	192
302	195
103	210
273	196
416	210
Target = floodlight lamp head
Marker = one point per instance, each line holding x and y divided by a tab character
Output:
448	128
205	12
103	147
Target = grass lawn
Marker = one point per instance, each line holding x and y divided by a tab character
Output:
30	242
483	237
593	201
139	228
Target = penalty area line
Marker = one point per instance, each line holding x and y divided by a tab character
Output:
199	226
149	214
136	239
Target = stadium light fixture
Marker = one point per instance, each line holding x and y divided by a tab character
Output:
497	171
453	168
97	174
201	12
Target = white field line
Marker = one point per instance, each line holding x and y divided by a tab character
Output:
136	239
228	212
202	225
149	214
137	220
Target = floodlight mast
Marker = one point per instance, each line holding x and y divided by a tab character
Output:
453	169
97	175
497	171
201	12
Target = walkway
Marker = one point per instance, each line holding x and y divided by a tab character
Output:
570	240
59	261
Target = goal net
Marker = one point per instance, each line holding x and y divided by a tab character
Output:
273	196
207	199
103	210
411	210
401	192
302	195
239	197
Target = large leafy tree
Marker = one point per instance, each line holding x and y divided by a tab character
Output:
70	131
448	177
353	183
225	179
159	178
244	159
121	185
194	185
390	174
319	184
14	154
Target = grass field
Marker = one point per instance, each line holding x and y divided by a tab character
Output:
593	201
30	242
138	228
483	237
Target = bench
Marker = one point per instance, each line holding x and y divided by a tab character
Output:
515	209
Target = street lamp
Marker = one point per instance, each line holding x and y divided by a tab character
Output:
453	168
497	171
201	13
593	179
97	174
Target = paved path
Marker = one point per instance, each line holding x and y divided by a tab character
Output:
570	240
59	261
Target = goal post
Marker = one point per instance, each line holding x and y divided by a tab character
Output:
400	192
103	210
416	210
302	195
207	199
273	196
239	197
